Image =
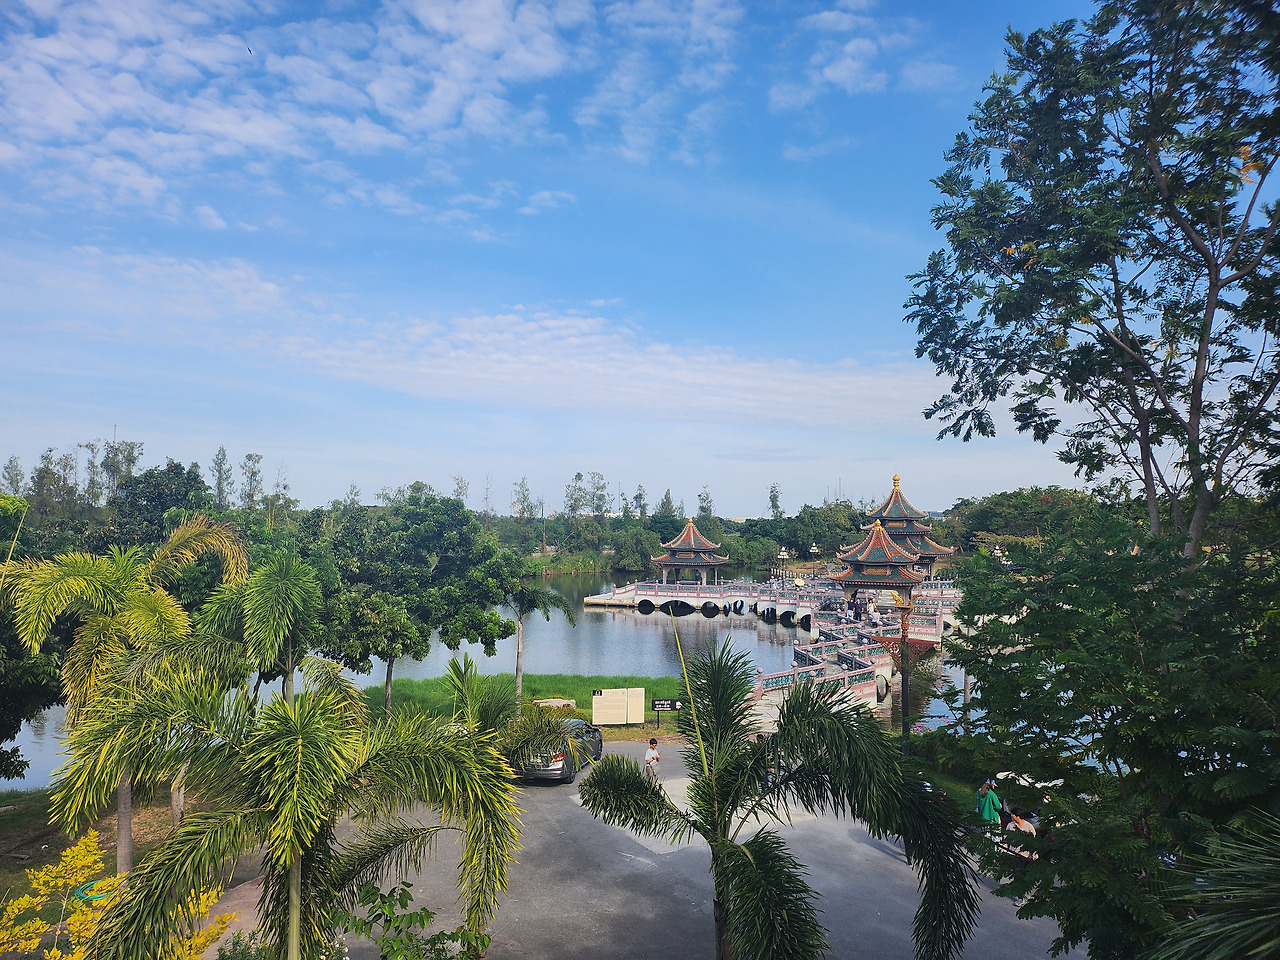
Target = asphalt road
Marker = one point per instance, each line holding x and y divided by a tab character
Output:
586	891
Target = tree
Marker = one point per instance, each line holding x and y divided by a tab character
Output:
122	604
141	500
119	458
359	625
223	478
94	480
1111	256
523	592
775	502
429	554
273	612
250	481
280	776
1142	690
666	506
639	502
15	478
523	505
827	754
708	522
460	488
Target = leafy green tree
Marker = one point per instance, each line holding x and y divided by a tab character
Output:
251	481
223	478
1143	689
634	549
1028	513
666	506
431	555
279	776
1111	248
827	755
121	603
360	625
775	502
15	478
141	501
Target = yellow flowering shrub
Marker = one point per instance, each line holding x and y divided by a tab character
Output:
23	930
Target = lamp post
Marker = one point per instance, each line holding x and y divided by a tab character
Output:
813	554
783	557
904	607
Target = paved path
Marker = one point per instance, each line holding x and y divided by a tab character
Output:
586	891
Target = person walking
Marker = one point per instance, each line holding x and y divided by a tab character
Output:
988	805
652	757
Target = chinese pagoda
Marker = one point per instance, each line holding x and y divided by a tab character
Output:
877	563
909	529
689	551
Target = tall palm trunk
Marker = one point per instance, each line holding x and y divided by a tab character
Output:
721	917
124	823
295	907
519	656
178	796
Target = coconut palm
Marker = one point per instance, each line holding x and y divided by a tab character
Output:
828	754
124	609
281	776
525	596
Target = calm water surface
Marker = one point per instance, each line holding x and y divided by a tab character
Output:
604	642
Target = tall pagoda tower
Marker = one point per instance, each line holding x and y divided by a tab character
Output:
689	551
908	528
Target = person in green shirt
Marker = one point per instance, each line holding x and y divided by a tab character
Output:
988	804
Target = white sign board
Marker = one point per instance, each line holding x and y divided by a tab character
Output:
622	705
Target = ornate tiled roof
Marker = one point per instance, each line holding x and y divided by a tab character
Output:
896	507
690	558
690	538
878	547
927	548
885	577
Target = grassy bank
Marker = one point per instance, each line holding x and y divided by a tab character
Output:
431	697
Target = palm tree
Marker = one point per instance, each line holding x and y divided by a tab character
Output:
123	608
272	613
827	755
1230	895
525	596
280	776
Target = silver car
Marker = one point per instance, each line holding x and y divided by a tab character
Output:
560	766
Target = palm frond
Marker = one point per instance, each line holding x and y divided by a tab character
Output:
44	589
1231	893
193	539
324	680
721	681
538	732
222	614
157	905
949	900
619	793
316	903
280	598
769	907
394	847
152	617
100	648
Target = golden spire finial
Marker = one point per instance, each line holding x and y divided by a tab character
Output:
896	480
877	523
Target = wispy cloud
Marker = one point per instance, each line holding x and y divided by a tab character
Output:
545	200
538	358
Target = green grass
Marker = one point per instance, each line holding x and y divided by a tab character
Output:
430	695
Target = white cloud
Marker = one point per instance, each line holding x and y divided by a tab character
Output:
611	301
209	219
545	200
537	358
800	154
855	52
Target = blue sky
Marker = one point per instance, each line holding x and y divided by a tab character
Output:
666	240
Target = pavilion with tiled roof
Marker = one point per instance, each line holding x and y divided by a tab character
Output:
909	528
690	550
877	563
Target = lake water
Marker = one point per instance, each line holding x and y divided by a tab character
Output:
604	642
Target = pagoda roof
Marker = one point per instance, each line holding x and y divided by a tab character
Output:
878	547
690	538
693	558
887	577
927	548
897	527
896	507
